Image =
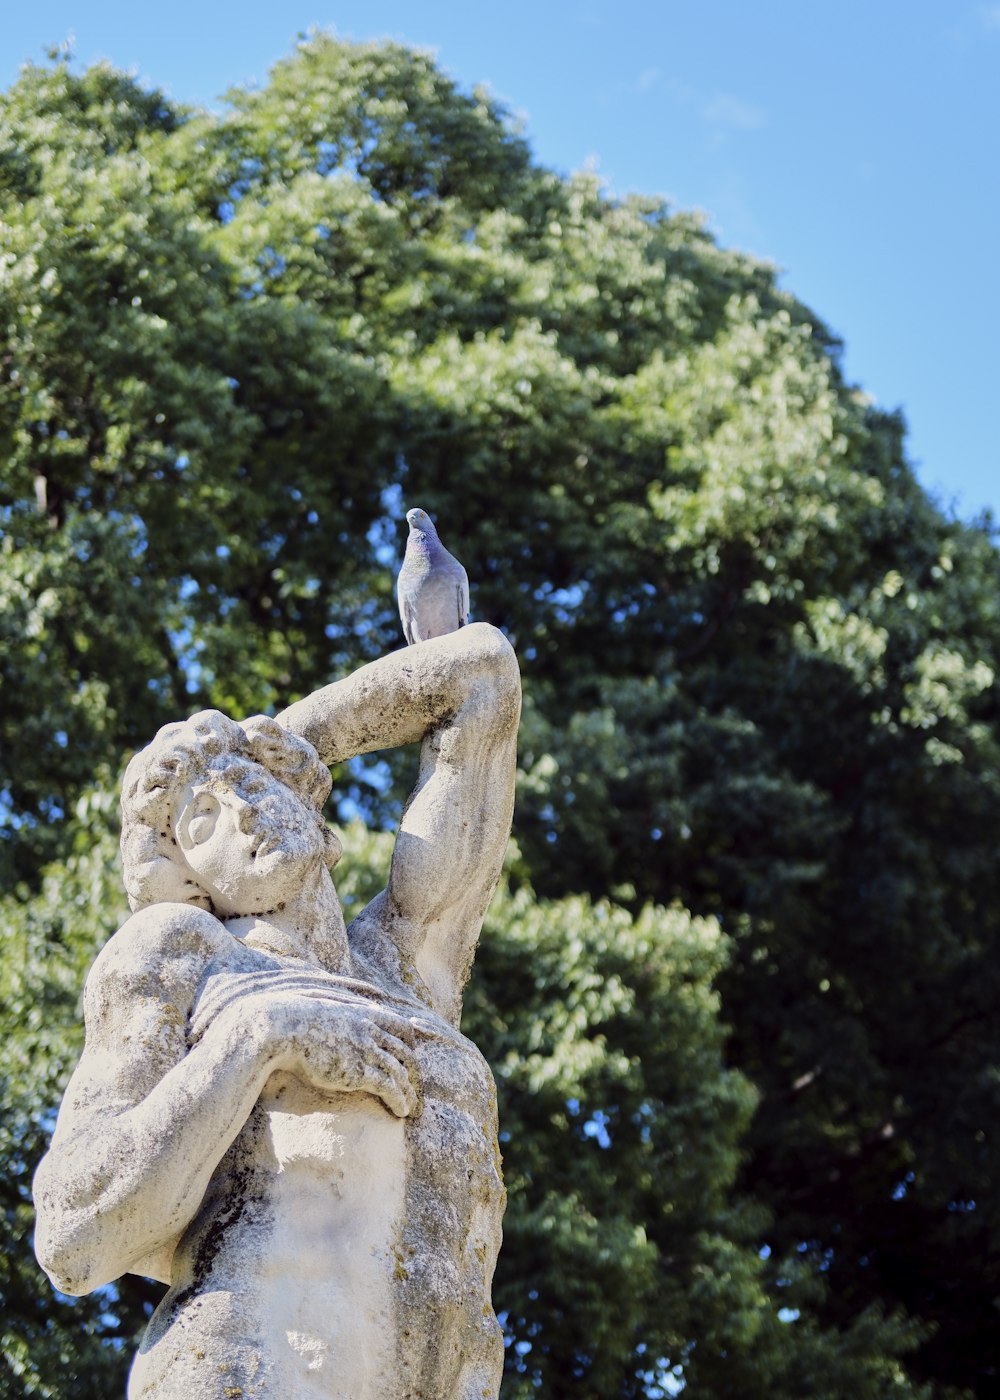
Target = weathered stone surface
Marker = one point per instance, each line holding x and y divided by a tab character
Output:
277	1116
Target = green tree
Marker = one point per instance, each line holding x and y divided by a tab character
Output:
740	992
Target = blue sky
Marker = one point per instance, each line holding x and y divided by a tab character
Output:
855	145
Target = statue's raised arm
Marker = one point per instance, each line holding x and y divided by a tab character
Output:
460	695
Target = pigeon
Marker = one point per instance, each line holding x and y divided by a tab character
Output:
432	588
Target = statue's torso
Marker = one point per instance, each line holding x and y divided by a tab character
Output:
340	1252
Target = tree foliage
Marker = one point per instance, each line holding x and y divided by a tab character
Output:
740	989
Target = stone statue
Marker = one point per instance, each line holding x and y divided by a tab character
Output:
275	1115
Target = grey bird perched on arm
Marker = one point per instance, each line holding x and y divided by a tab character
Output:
432	588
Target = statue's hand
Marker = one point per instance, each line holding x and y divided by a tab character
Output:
341	1048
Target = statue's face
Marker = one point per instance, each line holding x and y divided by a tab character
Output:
248	839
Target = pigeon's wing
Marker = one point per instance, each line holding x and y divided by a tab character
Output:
463	599
406	618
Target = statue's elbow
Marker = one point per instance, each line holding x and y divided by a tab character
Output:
499	672
67	1239
68	1263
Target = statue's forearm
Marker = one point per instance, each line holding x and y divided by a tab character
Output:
109	1195
401	697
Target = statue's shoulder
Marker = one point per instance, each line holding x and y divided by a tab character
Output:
158	949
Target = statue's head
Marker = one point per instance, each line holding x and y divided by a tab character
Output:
221	815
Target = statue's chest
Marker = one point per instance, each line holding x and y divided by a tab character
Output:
296	1125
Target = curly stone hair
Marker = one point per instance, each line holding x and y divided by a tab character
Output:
206	746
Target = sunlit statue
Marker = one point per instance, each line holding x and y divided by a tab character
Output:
278	1116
